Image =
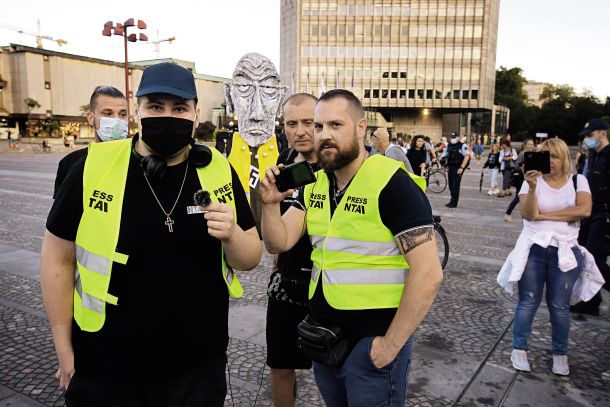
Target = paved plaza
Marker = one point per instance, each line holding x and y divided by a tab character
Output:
461	351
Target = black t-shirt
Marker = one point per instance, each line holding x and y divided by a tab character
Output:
172	311
417	158
402	207
64	167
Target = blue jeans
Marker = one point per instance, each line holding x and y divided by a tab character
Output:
542	267
358	383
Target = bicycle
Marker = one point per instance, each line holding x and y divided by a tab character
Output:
442	243
436	179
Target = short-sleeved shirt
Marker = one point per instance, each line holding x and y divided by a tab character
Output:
550	199
64	167
395	152
403	206
173	302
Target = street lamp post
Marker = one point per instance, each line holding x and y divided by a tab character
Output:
121	29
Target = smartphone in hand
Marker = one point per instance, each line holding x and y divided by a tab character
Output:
537	161
294	176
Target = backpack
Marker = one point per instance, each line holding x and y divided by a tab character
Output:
454	155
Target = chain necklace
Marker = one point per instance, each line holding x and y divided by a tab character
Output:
169	222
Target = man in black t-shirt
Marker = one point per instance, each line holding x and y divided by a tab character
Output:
380	337
164	337
108	116
289	282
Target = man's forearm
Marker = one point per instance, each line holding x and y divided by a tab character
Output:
243	250
420	290
273	229
57	284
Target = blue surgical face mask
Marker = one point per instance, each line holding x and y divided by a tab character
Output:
112	128
591	143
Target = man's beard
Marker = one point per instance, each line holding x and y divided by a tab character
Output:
338	160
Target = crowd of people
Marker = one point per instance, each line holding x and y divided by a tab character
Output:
146	235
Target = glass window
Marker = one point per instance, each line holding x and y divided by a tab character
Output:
421	52
305	51
358	73
393	94
385	52
476	53
322	51
350	52
360	10
323	30
369	10
423	31
305	29
465	94
431	31
403	94
457	53
459	31
414	10
428	93
332	52
432	11
404	31
396	11
376	74
351	9
367	93
368	52
450	31
440	31
377	30
413	30
460	12
442	10
314	30
474	74
411	93
395	52
465	74
447	73
375	93
368	30
451	11
457	73
366	74
411	73
456	94
423	11
394	74
478	11
387	30
376	52
384	93
438	94
469	11
342	10
332	30
440	52
449	52
359	51
378	10
420	93
405	11
412	52
340	52
395	29
474	94
359	30
404	52
385	75
429	73
341	30
478	31
403	75
351	31
438	72
387	11
430	51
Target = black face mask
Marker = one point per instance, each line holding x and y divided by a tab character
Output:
166	135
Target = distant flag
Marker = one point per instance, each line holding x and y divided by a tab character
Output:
322	86
307	86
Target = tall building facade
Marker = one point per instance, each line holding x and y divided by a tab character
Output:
410	61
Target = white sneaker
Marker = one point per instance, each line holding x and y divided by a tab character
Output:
496	191
519	359
560	365
490	192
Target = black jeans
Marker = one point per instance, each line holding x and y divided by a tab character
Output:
454	184
202	386
594	232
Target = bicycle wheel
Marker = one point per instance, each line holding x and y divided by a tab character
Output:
442	244
437	182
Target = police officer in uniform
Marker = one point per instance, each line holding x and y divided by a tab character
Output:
457	156
595	230
135	277
366	218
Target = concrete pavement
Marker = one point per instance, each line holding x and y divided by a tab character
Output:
461	352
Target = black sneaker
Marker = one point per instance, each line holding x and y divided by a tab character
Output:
450	205
585	308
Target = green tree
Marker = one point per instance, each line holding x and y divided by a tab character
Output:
558	92
509	87
30	104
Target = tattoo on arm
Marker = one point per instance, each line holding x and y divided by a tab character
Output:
413	238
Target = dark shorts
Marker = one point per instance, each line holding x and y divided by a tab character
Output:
283	351
202	386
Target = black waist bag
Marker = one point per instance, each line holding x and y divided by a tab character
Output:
326	345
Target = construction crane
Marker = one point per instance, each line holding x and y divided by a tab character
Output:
39	37
158	42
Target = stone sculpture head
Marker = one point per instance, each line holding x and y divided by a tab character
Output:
255	96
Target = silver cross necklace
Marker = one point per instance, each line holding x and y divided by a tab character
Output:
169	222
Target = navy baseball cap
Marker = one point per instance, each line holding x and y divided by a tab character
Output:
168	78
592	125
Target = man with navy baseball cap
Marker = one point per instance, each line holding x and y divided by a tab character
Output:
595	230
136	276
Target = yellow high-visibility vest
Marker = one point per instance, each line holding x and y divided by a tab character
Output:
104	180
354	253
240	159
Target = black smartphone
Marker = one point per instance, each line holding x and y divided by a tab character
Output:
537	160
294	176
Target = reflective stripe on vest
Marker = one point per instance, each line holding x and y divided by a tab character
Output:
366	276
356	246
87	301
92	261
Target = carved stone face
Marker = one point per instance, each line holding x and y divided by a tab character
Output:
255	95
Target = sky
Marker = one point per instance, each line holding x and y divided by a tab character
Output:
554	41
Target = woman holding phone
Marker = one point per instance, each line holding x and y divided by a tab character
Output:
547	253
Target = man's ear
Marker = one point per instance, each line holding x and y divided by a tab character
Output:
226	90
197	117
361	128
91	119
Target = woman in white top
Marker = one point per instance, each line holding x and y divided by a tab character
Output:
547	253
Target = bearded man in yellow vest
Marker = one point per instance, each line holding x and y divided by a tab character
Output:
254	96
376	269
135	275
